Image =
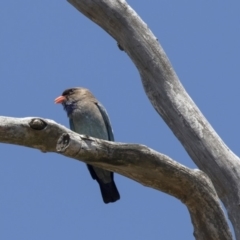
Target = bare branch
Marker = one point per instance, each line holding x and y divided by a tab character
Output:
137	162
169	98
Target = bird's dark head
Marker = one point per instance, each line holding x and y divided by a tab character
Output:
70	97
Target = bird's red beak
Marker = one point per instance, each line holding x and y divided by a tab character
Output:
60	99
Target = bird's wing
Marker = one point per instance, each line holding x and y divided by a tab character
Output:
71	124
106	121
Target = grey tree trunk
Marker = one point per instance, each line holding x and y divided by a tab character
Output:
196	189
170	99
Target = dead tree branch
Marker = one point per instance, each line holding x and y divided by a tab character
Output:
134	161
169	98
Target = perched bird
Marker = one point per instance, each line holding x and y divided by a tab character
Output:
87	116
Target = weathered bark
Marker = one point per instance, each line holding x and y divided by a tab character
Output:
137	162
170	99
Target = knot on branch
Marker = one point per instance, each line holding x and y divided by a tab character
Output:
37	124
120	47
63	142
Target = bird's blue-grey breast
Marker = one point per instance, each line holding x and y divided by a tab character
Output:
87	116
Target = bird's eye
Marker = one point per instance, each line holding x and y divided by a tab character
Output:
67	92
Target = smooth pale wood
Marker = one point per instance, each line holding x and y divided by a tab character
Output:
134	161
170	99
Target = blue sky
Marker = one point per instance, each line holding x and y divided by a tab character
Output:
48	46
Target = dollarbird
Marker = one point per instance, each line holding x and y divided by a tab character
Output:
88	117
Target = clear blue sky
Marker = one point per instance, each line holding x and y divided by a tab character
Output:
48	46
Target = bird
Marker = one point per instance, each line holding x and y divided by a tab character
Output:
87	116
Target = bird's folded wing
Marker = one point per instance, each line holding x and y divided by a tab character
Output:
106	121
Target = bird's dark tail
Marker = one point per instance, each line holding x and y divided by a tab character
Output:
109	192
